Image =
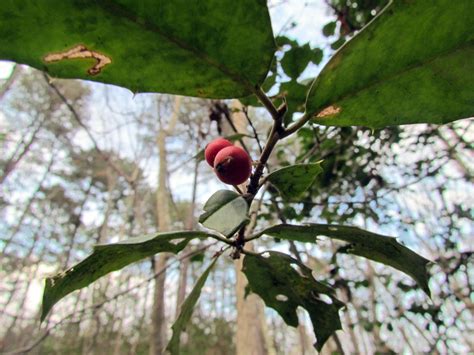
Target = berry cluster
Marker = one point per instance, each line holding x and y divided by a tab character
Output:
231	164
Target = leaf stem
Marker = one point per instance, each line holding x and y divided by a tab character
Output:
221	239
265	100
253	236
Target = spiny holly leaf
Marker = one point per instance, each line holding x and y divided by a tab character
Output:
284	284
225	212
187	311
370	245
412	64
293	180
205	48
110	257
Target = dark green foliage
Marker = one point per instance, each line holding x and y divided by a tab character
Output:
329	29
373	246
297	59
284	284
148	47
397	72
292	181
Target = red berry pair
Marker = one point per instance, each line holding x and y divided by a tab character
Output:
231	164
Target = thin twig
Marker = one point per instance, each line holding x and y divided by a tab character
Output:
255	134
78	119
264	99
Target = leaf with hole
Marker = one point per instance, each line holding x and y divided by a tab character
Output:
187	311
225	212
412	64
380	248
292	181
111	257
205	48
284	284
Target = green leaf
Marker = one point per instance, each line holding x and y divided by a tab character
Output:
337	44
111	257
284	284
295	94
205	48
296	60
225	212
293	180
187	311
412	64
284	40
197	258
370	245
329	29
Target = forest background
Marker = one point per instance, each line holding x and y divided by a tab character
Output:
84	163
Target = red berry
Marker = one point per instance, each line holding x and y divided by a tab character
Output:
215	147
232	165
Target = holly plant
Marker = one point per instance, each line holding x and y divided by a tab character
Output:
413	63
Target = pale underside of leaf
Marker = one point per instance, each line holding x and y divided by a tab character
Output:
225	212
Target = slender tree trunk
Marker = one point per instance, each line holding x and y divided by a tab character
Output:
251	334
158	321
183	267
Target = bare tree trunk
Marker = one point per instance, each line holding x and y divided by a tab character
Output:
158	321
99	293
251	334
183	267
306	347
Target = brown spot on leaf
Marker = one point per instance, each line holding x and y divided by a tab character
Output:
329	111
81	52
